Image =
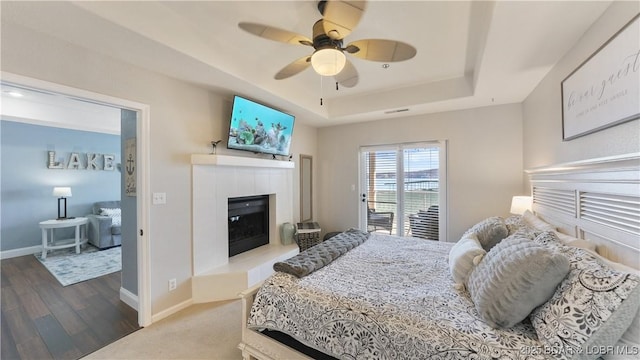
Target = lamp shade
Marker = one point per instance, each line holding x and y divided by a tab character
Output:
520	204
62	191
328	61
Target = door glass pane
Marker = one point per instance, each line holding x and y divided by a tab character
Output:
381	190
421	192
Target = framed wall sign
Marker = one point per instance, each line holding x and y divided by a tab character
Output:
604	90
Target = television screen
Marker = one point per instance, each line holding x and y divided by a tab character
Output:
259	128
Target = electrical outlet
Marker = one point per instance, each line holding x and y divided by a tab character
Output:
172	284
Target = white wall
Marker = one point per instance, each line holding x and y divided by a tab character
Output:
184	119
484	162
542	110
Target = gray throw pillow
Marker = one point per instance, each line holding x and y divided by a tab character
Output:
489	231
514	278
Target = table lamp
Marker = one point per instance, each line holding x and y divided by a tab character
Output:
520	204
62	193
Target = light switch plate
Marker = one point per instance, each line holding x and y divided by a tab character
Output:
159	198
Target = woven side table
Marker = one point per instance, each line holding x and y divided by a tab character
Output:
307	235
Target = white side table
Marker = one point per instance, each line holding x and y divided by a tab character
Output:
49	242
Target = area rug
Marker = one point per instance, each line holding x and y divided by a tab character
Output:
71	268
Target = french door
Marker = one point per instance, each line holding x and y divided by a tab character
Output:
403	189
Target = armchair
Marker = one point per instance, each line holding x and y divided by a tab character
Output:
104	231
382	219
424	224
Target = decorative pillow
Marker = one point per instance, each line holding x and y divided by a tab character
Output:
317	257
591	308
515	277
629	344
627	347
489	231
463	257
573	241
535	222
114	213
513	223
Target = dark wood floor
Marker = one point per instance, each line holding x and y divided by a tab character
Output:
41	319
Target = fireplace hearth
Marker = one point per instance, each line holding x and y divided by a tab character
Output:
248	220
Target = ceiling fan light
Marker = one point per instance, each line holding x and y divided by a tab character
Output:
328	62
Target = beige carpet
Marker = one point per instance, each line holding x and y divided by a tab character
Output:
202	331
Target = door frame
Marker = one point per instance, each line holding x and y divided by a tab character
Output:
142	153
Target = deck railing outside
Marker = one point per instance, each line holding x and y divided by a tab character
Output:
415	200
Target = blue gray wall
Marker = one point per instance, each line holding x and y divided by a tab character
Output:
27	183
129	214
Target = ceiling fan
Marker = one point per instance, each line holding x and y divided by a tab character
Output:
339	18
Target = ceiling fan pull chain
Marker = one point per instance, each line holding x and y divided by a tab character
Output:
320	90
337	86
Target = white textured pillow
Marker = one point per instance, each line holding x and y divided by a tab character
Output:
514	278
463	257
489	231
575	242
535	222
114	213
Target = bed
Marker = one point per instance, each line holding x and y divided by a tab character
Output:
389	297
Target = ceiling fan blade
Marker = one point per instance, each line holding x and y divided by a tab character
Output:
294	68
272	33
341	17
348	77
381	50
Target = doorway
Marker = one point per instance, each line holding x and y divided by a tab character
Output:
403	189
140	300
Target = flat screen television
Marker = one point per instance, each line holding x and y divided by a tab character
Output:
259	128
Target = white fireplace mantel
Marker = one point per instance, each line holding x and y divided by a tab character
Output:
226	160
215	179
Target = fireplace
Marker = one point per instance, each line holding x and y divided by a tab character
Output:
248	220
215	179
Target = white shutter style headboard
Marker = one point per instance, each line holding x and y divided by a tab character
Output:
597	200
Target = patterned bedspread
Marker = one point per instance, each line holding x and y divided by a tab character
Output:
389	298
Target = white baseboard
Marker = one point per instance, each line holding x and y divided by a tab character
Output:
172	310
129	298
8	254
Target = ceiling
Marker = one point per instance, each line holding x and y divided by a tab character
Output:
469	53
38	107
